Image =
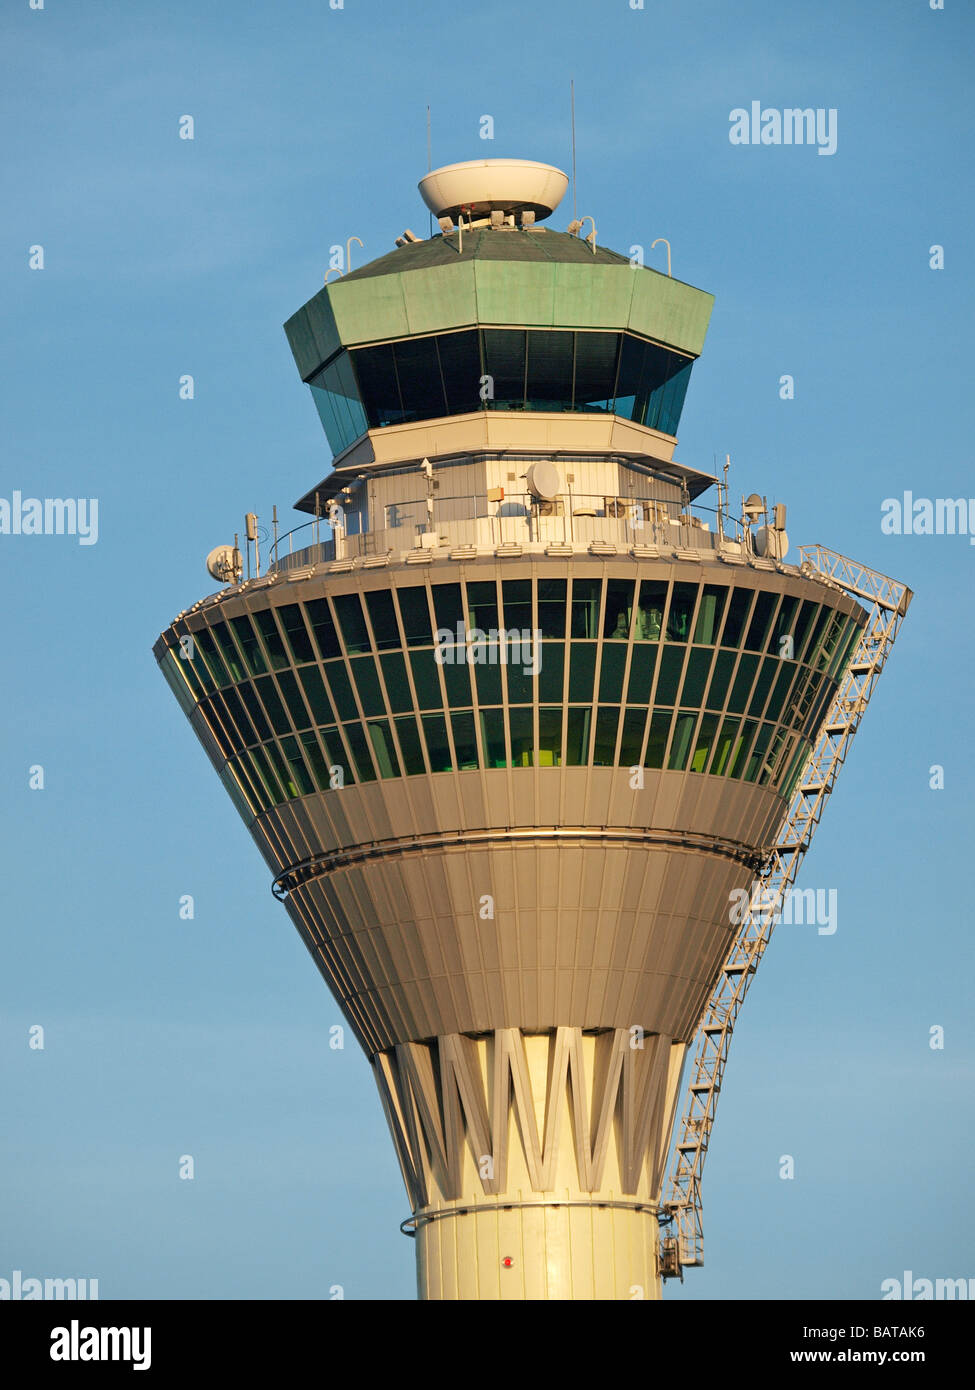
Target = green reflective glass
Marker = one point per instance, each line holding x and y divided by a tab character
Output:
262	764
604	742
271	701
757	758
415	613
487	674
288	686
549	737
802	626
318	701
337	756
657	738
585	607
315	759
709	614
255	711
724	664
299	772
680	744
578	728
184	692
551	607
518	674
273	641
744	678
734	623
783	641
611	672
482	605
237	712
352	622
320	617
582	672
382	616
341	689
426	680
551	674
520	720
383	748
758	628
641	675
619	609
723	747
448	609
492	738
783	682
680	612
768	671
457	680
703	743
696	675
397	685
438	747
668	677
359	748
631	742
296	634
742	745
516	596
366	678
249	645
211	657
465	740
284	772
410	746
230	654
650	610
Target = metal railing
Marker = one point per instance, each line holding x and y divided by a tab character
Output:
518	518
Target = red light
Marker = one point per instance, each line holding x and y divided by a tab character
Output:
507	1262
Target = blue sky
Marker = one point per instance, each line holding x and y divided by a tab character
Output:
165	257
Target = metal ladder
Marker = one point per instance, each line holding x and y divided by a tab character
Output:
888	602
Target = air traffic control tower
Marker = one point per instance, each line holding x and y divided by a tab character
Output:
512	719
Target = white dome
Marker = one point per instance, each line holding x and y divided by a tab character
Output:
481	186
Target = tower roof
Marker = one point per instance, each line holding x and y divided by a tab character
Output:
490	244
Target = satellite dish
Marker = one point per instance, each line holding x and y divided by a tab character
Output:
771	544
544	481
224	564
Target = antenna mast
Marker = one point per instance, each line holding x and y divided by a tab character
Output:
572	98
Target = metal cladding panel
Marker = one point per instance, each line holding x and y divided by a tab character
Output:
670	311
585	301
369	310
550	294
445	298
516	293
406	951
312	334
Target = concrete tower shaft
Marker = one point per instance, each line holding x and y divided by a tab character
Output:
513	734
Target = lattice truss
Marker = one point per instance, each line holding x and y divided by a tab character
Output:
887	602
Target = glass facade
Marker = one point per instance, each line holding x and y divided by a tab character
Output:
499	369
704	678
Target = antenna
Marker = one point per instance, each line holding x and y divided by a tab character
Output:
429	163
572	97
